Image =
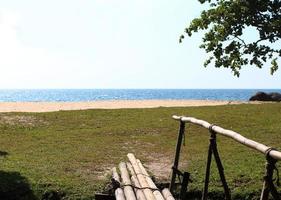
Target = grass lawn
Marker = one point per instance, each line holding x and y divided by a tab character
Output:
66	154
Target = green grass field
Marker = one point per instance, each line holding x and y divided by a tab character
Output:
67	154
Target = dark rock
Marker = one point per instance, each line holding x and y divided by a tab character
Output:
262	96
275	96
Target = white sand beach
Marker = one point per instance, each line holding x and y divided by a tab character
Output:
114	104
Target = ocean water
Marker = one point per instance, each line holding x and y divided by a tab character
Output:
74	95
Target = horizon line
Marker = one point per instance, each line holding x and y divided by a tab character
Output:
140	88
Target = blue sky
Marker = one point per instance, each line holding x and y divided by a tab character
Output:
109	44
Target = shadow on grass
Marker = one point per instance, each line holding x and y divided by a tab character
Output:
14	186
219	195
3	153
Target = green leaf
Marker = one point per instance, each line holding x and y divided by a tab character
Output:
224	24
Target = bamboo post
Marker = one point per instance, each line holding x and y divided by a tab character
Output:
119	193
207	174
167	194
268	185
213	150
177	155
221	173
185	179
128	190
139	192
142	180
157	194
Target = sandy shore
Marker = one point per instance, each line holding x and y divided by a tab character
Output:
116	104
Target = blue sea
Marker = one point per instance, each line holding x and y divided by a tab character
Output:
75	95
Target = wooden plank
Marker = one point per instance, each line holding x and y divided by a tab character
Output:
128	190
142	180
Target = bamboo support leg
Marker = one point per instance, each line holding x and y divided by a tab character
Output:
177	156
185	180
268	186
213	150
207	174
221	172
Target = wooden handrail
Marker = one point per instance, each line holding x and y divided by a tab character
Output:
233	135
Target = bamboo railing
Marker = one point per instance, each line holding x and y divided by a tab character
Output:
272	156
233	135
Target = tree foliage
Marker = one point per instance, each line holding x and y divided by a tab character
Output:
225	23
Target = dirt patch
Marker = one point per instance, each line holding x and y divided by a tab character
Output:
159	166
21	120
160	169
92	172
102	175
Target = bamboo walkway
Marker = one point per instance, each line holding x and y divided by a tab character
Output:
135	183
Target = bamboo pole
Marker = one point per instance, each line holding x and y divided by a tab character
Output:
139	192
157	194
128	190
167	194
235	136
115	175
119	193
177	156
142	180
